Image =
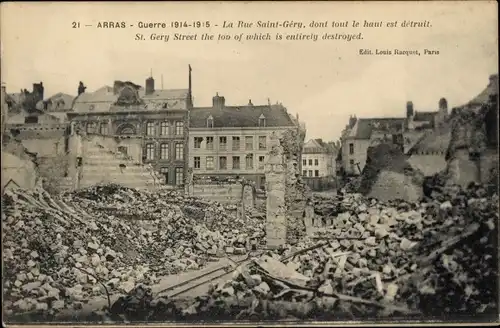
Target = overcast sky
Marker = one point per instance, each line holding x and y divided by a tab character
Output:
324	81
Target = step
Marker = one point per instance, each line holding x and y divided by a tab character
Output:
116	175
127	169
86	184
105	155
104	162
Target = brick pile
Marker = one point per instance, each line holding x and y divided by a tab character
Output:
381	259
57	250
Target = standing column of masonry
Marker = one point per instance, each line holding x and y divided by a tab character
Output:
296	192
275	186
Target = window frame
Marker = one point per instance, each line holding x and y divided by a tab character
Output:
162	149
179	150
150	150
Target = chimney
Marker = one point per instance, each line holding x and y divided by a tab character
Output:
38	91
443	104
150	85
81	88
352	121
218	102
409	109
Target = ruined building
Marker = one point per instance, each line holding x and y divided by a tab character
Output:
147	124
472	154
406	131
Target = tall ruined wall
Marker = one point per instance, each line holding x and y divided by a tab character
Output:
472	155
296	191
287	194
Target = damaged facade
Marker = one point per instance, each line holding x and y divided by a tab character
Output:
472	154
132	115
362	133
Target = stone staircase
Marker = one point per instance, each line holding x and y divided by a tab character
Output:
104	165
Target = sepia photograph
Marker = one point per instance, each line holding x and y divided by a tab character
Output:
249	163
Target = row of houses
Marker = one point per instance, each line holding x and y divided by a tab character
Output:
424	136
158	127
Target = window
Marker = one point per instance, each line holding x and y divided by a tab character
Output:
316	173
351	162
310	162
210	143
197	163
223	163
222	143
179	176
310	173
197	142
150	151
351	148
123	150
210	122
249	161
248	143
236	162
236	143
164	128
262	142
103	128
32	119
316	162
179	128
261	162
210	163
150	129
164	151
262	121
164	172
91	127
304	162
179	151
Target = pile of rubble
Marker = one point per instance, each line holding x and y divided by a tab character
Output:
433	258
58	252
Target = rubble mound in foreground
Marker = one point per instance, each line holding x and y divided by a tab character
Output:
58	251
434	259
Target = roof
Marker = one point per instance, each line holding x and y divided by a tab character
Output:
484	96
104	98
433	142
424	116
59	102
240	116
365	126
315	146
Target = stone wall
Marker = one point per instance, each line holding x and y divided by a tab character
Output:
428	164
17	172
392	185
286	192
276	222
223	193
296	191
389	175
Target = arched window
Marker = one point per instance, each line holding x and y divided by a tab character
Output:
126	129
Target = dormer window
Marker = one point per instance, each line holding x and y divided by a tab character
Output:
210	122
262	120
